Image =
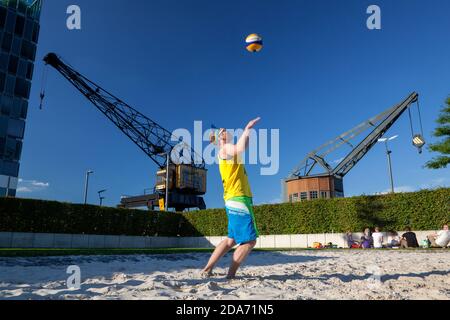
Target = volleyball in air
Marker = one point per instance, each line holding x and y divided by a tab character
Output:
254	43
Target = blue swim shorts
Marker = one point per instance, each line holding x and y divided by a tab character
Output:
241	220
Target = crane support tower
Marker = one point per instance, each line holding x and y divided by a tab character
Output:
187	173
302	184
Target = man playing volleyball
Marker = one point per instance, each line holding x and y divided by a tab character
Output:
242	229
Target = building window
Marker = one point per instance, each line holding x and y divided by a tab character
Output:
13	65
35	35
24	109
2	81
7	105
10	83
313	195
16	46
4	62
22	69
10	151
16	128
16	109
290	198
29	74
303	196
10	22
28	29
10	168
2	17
7	42
324	194
20	25
22	88
3	126
22	7
2	146
28	50
295	197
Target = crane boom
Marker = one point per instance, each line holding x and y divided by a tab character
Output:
364	146
149	136
304	184
380	124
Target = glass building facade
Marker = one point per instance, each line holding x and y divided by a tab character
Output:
19	32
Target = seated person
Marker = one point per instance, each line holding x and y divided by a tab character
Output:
350	242
393	239
366	239
378	238
409	239
441	239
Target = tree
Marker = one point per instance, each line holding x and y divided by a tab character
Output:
442	147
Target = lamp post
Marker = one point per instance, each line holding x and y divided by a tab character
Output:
86	185
388	153
100	196
166	202
167	182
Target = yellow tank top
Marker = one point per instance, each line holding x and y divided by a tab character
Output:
234	179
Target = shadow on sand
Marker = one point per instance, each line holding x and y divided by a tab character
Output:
350	277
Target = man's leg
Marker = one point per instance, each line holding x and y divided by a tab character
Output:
432	240
403	244
221	250
239	257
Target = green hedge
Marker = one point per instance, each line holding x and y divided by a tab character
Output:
424	210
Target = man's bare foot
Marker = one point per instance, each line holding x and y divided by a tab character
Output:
206	274
231	277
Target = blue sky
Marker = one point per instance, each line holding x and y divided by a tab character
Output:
321	73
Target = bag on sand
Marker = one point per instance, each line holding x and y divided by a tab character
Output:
317	245
425	244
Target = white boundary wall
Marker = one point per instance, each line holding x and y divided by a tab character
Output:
73	241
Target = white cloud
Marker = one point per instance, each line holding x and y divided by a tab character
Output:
273	201
30	186
435	183
40	184
400	189
404	189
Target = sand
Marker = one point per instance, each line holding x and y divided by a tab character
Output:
266	275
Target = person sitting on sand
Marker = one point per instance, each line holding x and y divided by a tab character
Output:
242	228
393	239
409	239
441	239
378	239
350	242
366	239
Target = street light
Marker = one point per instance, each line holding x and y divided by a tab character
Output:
100	196
167	155
388	153
419	142
86	185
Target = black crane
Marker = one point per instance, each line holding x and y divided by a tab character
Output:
150	137
329	180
